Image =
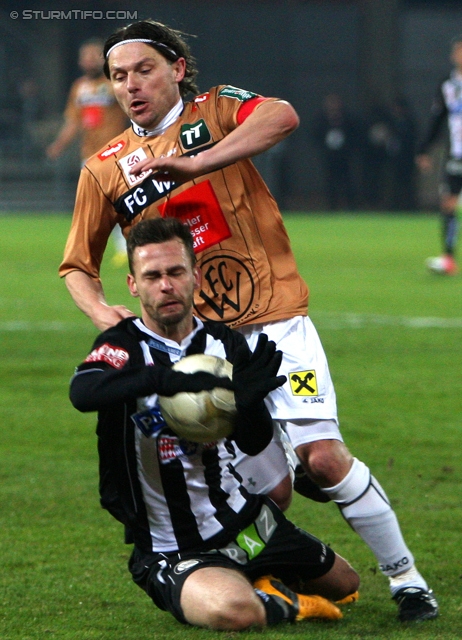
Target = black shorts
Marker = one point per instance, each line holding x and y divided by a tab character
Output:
452	179
270	545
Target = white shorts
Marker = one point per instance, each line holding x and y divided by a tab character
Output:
305	406
304	431
263	472
308	393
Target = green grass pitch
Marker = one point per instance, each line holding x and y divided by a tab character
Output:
393	337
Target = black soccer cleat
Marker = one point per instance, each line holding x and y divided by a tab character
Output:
416	604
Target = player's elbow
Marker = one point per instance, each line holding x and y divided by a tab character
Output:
79	397
78	402
289	118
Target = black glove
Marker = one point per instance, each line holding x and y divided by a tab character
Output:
168	382
254	374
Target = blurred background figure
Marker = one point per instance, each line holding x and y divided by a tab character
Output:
337	134
92	111
402	148
388	157
376	152
446	112
93	114
31	112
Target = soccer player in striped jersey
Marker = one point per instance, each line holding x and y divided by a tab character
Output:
446	111
205	549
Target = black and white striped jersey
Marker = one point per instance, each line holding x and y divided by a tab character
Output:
446	109
169	493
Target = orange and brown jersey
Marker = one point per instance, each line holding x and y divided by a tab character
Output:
248	269
93	106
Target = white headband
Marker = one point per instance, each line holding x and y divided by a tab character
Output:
145	40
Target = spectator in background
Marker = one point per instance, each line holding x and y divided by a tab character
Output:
31	108
337	135
376	152
93	114
446	111
401	150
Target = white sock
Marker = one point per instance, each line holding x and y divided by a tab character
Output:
365	506
409	578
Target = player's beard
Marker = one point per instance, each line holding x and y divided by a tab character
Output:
163	318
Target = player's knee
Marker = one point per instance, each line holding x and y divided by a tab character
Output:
235	614
326	461
282	493
345	580
351	581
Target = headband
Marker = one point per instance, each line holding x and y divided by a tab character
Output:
145	40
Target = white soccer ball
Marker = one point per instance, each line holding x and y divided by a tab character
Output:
205	416
444	265
437	265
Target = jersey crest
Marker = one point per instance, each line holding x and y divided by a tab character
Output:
228	286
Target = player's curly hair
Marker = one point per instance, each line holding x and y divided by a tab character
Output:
175	47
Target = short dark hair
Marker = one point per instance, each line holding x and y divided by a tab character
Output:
156	231
175	47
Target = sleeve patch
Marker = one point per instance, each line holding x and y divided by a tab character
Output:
115	356
107	153
236	94
203	97
247	108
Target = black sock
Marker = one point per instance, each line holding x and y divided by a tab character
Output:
277	609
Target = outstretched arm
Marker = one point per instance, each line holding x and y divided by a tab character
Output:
88	295
99	386
65	137
270	123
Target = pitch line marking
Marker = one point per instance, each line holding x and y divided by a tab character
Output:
364	320
325	320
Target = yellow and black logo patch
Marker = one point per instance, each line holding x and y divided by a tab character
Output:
304	383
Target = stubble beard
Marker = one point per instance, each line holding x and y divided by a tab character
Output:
169	320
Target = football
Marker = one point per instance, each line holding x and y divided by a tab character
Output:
205	416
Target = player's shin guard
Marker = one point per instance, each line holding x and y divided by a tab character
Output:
365	506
